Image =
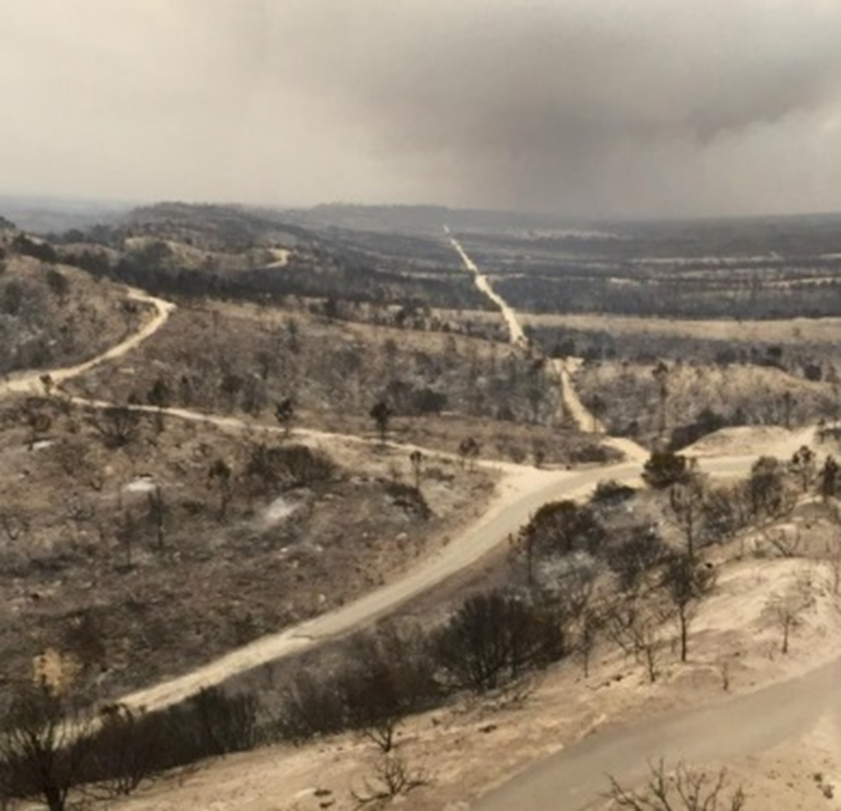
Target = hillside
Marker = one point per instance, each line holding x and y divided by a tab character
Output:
53	314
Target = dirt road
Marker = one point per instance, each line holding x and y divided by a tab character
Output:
30	382
519	496
575	779
515	331
561	367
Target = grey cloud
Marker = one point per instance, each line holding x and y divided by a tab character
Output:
615	106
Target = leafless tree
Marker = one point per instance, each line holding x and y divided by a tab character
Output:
468	451
284	412
221	475
118	425
634	625
392	778
381	414
685	789
157	514
590	625
687	501
127	533
833	555
661	376
38	419
686	582
126	752
45	747
787	609
804	466
785	544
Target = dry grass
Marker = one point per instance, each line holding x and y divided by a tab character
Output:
281	555
42	328
741	394
336	372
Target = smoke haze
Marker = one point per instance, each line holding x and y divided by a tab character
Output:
614	108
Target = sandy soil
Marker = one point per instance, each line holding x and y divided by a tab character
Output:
769	440
792	330
465	749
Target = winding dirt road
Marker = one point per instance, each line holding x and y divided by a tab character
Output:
30	382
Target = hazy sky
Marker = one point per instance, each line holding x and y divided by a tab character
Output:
586	107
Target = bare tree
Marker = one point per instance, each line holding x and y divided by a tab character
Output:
284	413
687	502
768	490
160	396
126	751
804	467
685	789
686	583
590	625
118	425
661	376
786	544
392	778
381	413
468	451
45	747
127	534
787	609
829	478
38	420
157	514
416	458
635	626
221	475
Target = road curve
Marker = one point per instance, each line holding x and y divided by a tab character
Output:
522	496
575	779
523	492
30	382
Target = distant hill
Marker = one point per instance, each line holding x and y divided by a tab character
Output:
45	215
420	220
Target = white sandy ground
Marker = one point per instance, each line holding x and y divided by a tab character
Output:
467	750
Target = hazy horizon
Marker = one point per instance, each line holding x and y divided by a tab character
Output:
619	110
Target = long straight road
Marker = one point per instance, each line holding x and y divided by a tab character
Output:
575	779
576	410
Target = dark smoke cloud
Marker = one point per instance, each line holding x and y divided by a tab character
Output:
580	105
588	107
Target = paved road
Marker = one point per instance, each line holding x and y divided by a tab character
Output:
576	778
